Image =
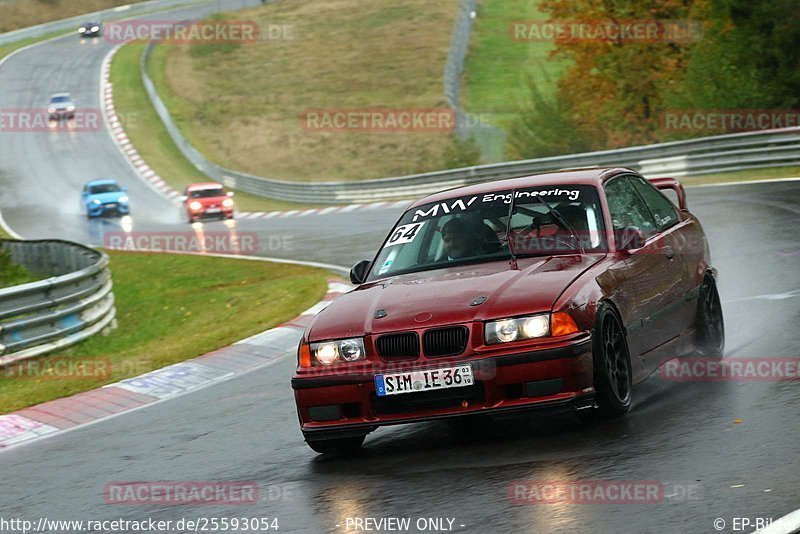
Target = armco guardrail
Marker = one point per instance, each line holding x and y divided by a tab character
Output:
71	24
73	303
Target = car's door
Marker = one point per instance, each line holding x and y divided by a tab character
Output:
651	274
680	235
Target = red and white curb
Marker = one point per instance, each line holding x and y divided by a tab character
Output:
69	413
114	124
115	128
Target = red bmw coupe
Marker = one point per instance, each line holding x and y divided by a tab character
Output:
559	291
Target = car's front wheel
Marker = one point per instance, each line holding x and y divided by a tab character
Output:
346	445
613	380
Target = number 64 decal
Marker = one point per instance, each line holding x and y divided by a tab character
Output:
404	234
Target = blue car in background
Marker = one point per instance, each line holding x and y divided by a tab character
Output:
103	196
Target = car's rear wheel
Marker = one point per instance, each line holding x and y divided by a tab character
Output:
710	324
348	445
613	380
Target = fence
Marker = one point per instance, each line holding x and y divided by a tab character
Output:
73	303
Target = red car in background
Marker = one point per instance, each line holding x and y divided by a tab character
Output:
560	290
206	201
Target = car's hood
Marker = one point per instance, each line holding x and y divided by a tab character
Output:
61	105
444	296
107	197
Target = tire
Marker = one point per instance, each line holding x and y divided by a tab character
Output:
710	323
349	445
613	376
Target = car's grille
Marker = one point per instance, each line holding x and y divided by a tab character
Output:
445	341
405	345
427	400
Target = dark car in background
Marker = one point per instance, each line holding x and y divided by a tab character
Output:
91	29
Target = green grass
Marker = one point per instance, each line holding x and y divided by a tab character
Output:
12	274
151	139
498	68
241	106
174	307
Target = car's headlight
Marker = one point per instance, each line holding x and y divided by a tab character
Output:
70	108
508	330
51	110
195	205
95	28
227	203
340	350
81	30
123	199
530	327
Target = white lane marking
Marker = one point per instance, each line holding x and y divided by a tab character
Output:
8	229
289	213
272	214
772	296
783	525
375	205
328	210
307	212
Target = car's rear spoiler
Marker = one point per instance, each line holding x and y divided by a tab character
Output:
675	185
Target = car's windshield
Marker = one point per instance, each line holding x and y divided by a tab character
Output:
472	229
60	99
205	193
104	188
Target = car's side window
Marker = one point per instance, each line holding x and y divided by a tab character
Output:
662	209
626	206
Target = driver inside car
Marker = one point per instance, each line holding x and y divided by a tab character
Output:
460	239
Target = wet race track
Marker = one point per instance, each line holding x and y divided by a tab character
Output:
715	449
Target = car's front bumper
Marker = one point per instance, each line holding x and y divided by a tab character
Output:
96	210
224	213
553	378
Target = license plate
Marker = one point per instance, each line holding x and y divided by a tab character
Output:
112	205
428	380
213	210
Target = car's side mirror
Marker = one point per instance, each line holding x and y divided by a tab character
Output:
359	272
184	198
230	193
630	238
